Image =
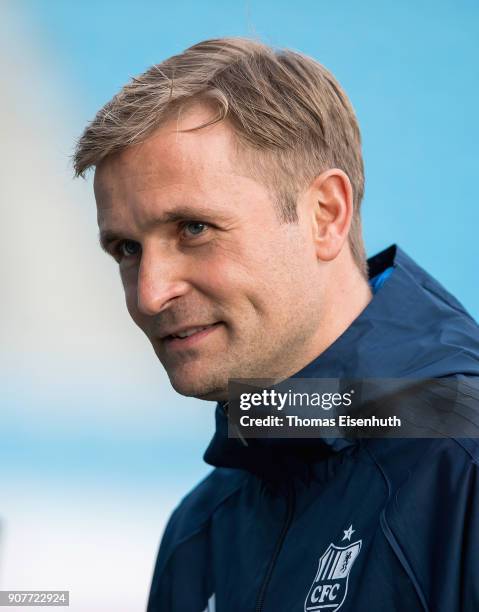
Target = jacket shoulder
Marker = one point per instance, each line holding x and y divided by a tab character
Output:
196	508
399	460
183	555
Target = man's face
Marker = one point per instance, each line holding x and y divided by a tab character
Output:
202	253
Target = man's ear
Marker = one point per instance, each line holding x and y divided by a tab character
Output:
330	204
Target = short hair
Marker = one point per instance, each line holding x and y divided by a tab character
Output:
291	118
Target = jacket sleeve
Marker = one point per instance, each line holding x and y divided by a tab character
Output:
181	578
434	525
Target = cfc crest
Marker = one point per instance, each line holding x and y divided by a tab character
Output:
330	585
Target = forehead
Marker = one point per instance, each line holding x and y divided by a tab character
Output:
171	157
174	171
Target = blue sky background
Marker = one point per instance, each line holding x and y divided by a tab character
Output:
92	430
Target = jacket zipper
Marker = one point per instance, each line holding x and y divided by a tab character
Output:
277	549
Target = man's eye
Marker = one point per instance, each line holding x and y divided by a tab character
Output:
128	248
194	228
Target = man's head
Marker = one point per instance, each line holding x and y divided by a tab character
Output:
228	184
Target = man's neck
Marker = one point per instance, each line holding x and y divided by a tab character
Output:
347	297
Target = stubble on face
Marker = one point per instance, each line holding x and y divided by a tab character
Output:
250	274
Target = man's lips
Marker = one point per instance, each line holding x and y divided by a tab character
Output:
191	335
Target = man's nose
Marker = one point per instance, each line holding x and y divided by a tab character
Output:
159	283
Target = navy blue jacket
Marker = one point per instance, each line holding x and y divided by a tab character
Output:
372	525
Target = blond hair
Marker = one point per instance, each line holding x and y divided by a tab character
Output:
291	118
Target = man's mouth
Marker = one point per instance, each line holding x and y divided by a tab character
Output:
189	335
188	332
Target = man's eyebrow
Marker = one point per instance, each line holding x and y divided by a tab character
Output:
180	213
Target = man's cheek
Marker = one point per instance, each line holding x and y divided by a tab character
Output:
131	297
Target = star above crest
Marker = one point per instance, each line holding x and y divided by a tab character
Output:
348	533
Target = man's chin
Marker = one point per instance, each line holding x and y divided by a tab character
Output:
205	388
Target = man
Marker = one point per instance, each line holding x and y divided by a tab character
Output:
228	184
